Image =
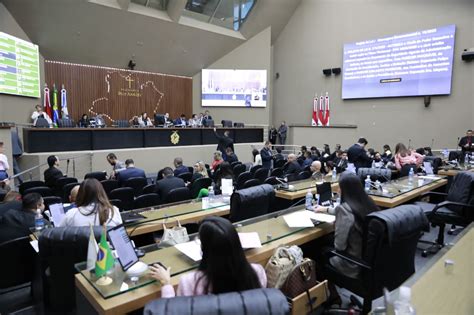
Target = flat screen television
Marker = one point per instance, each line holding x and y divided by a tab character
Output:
413	64
234	88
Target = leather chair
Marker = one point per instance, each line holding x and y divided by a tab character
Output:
380	174
198	184
41	123
251	183
27	185
43	191
149	189
60	249
251	202
279	163
261	174
121	123
118	203
148	200
254	168
137	184
67	191
435	162
109	185
226	123
208	123
257	301
61	182
49	200
235	163
304	175
66	123
242	178
277	172
239	125
186	176
178	194
126	195
100	176
271	181
388	256
457	208
238	169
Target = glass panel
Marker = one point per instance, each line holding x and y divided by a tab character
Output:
397	187
307	183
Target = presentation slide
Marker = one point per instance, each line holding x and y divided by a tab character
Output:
413	64
19	67
234	88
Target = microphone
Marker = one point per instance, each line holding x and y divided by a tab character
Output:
67	166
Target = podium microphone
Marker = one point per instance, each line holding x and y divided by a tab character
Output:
409	144
67	166
432	143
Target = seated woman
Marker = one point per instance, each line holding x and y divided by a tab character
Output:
144	120
350	216
406	159
217	160
93	207
84	122
257	158
199	170
223	268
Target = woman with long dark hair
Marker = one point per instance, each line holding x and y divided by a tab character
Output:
93	207
350	216
223	268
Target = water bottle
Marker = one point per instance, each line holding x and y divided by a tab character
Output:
466	159
210	195
334	174
373	163
317	199
410	175
309	200
402	305
367	183
39	222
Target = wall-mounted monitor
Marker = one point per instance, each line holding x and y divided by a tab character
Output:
19	67
234	88
413	64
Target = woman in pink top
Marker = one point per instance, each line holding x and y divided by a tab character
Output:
223	268
403	156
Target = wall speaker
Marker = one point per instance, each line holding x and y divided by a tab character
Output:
467	55
336	71
327	72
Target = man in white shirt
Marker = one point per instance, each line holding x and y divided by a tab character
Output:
40	113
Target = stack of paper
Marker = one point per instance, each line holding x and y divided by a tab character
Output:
250	240
191	249
303	218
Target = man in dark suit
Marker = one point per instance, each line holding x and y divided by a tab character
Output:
169	182
466	143
207	115
179	168
53	172
267	156
129	172
278	155
341	162
357	154
181	121
292	166
12	200
225	141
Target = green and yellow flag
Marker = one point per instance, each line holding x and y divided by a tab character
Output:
105	259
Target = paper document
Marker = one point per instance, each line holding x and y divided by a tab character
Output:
298	219
429	177
191	249
227	186
321	217
35	245
250	240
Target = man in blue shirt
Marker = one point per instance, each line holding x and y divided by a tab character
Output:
129	172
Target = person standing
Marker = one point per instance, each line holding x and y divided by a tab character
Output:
266	155
116	164
282	131
272	135
466	143
39	113
357	155
225	142
4	167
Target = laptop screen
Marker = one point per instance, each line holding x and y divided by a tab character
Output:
123	246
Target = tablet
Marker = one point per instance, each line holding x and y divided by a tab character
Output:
123	246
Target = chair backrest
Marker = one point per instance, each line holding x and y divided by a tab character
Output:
324	191
149	189
109	185
60	249
159	175
178	194
272	180
257	301
66	123
61	182
238	169
453	155
279	163
198	184
461	190
406	169
18	263
380	174
291	177
186	176
251	183
242	178
121	123
137	184
118	203
49	200
251	202
235	163
261	174
41	123
239	125
100	176
26	185
159	120
208	123
304	175
254	168
226	123
43	191
277	172
125	194
147	200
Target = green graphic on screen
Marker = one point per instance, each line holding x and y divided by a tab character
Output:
19	67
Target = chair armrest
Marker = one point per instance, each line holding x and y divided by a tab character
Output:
351	259
452	203
428	193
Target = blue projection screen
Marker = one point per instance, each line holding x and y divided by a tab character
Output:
413	64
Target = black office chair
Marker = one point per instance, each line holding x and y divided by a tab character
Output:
238	169
126	195
178	194
457	208
51	200
61	182
41	123
208	123
121	123
137	184
271	181
261	174
100	176
160	120
254	168
242	178
233	164
291	177
118	203
380	174
109	185
149	189
198	184
303	175
148	200
277	172
435	162
66	123
454	156
251	202
226	123
406	169
67	191
279	163
239	125
251	183
26	185
259	301
388	256
43	191
187	177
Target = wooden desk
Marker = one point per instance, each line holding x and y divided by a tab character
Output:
137	298
437	290
403	198
453	172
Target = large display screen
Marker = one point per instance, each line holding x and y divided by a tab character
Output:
234	88
19	67
412	64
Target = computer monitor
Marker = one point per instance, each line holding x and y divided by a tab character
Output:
159	120
123	246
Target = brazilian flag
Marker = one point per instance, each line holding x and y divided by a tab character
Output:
105	259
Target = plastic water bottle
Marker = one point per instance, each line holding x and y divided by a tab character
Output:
309	200
410	175
39	222
373	163
317	199
211	195
402	305
334	174
367	183
466	159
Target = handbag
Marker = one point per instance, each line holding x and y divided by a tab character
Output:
176	235
281	264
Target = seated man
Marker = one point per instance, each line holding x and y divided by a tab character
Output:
278	155
53	172
72	199
316	170
341	162
12	200
307	159
231	156
169	182
292	166
179	168
129	172
181	121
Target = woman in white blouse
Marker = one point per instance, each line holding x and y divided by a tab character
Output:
93	207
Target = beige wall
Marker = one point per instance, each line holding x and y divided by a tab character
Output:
16	109
313	39
253	54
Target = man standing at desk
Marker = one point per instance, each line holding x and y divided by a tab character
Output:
225	142
466	143
357	154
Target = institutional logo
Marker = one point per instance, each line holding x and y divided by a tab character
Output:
174	138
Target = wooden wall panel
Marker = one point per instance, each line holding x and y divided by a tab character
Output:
119	93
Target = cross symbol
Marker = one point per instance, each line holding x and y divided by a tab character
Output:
129	80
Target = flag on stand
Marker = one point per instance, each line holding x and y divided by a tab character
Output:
326	109
46	101
55	106
64	111
320	110
314	119
91	251
105	260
